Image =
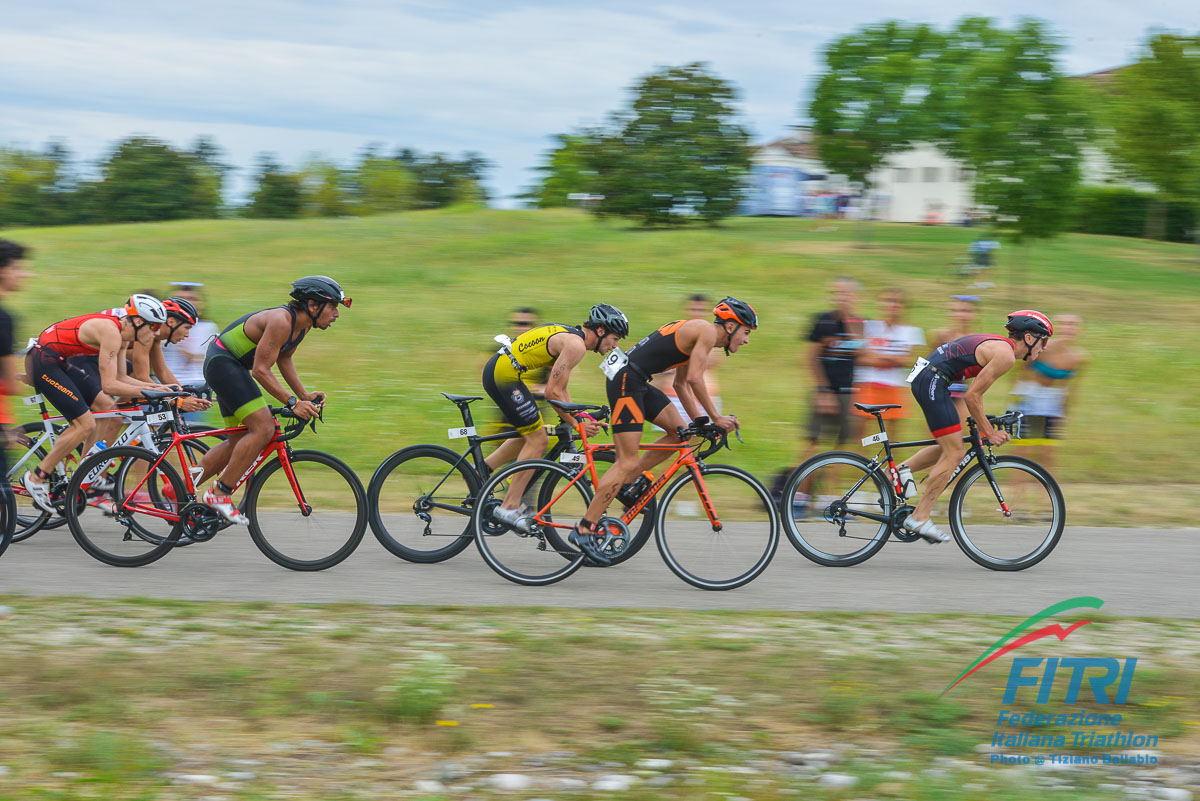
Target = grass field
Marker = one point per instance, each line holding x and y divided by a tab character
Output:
177	700
432	288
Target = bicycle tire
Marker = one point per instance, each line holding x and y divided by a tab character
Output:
483	540
252	497
641	535
8	516
809	549
194	447
377	488
972	549
673	561
161	545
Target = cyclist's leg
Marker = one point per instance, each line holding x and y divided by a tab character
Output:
260	428
933	396
519	408
56	386
506	453
84	372
534	446
624	468
669	420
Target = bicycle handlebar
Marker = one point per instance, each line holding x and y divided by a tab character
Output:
717	437
293	429
1010	421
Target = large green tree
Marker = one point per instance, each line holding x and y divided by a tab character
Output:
677	152
277	194
28	188
383	185
145	179
565	172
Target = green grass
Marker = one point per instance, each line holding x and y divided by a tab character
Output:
432	288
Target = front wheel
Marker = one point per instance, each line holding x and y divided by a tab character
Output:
717	527
823	504
538	555
1024	537
314	524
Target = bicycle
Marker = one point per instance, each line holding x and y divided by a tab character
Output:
152	516
419	495
146	423
730	529
840	530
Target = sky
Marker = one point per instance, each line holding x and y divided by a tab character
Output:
293	78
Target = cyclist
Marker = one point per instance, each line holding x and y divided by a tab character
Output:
74	388
240	360
984	357
685	345
562	347
14	264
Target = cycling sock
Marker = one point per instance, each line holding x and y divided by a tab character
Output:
41	474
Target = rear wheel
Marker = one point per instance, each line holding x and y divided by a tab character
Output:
818	509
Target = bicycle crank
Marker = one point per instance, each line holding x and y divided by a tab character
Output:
899	532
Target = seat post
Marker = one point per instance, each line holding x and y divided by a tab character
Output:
465	408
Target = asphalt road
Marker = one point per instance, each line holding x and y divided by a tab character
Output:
1137	572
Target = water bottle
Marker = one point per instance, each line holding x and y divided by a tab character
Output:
908	486
99	446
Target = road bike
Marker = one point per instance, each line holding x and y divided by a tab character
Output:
307	509
1006	512
719	535
422	497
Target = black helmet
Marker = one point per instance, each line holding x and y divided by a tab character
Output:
736	310
319	287
612	318
182	308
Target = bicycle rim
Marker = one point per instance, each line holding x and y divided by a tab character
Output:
818	509
717	532
1019	540
423	480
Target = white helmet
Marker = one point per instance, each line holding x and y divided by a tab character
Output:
148	307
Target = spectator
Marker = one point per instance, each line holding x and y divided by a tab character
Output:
964	313
835	341
186	359
697	306
1048	387
13	271
885	361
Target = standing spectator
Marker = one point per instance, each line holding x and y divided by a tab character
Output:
697	306
186	359
13	264
964	313
885	361
835	342
1048	389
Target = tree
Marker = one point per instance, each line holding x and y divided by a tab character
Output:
383	185
325	191
1156	116
565	172
278	194
145	180
1020	126
208	159
444	181
27	188
676	152
870	101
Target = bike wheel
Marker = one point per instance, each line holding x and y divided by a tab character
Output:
530	558
641	528
8	517
818	509
146	524
21	455
315	538
717	530
1020	540
424	479
128	475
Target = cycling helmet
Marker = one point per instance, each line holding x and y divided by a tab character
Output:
1030	321
612	318
182	308
147	307
738	311
319	287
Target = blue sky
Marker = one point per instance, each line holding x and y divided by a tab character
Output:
296	78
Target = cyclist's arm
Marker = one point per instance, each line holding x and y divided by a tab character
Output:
999	360
275	333
158	364
287	369
684	392
693	372
560	373
139	354
110	349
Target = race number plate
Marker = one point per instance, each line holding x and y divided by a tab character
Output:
875	438
573	458
32	400
158	417
613	362
460	432
921	364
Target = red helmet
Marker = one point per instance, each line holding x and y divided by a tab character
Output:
1030	321
182	308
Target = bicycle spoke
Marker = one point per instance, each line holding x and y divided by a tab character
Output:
818	509
421	499
1019	539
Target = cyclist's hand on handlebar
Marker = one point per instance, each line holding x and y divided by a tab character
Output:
193	404
727	422
998	437
590	426
316	398
305	410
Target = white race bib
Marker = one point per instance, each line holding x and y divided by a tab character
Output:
573	458
614	362
921	364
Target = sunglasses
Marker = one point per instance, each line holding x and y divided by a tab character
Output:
520	323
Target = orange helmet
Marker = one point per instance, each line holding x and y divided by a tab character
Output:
737	310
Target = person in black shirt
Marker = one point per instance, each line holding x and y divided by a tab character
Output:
12	272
